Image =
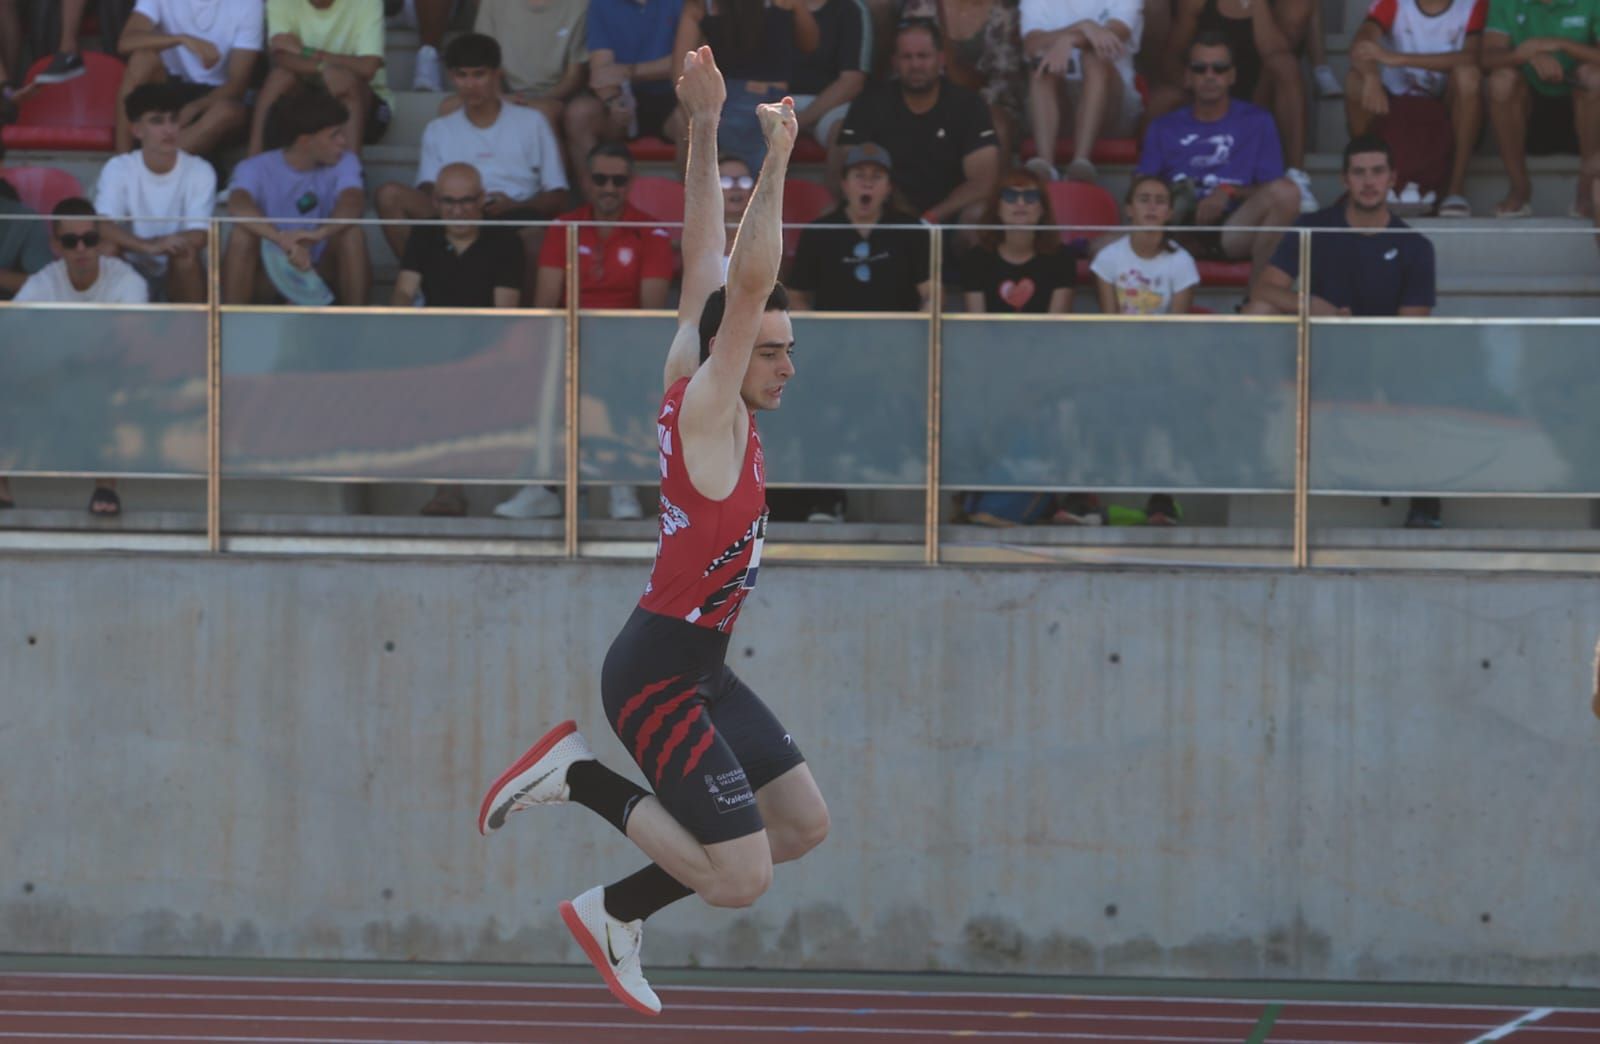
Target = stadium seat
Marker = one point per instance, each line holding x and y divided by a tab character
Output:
656	150
1224	273
41	188
661	198
77	116
803	202
1079	203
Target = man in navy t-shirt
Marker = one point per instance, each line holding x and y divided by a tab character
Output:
631	72
1226	155
1369	263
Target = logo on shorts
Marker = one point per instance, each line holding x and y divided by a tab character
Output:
730	791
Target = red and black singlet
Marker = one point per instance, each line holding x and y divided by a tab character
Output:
708	551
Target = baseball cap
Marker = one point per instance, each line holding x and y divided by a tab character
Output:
867	152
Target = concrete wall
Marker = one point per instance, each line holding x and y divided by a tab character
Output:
1201	773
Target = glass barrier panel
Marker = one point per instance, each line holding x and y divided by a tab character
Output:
102	391
1484	407
1049	403
855	413
424	395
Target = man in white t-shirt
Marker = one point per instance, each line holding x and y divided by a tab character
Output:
165	195
81	275
512	146
1081	50
210	47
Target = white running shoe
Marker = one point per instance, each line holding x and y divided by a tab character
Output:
612	946
624	504
1328	85
530	502
429	73
1302	181
539	777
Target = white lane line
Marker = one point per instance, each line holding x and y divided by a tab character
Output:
757	1032
1515	1024
409	983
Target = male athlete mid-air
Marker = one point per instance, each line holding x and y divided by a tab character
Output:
732	792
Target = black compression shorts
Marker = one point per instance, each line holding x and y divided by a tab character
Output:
704	741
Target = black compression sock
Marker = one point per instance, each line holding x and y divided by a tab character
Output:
603	792
636	897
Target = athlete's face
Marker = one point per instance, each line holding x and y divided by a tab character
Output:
771	364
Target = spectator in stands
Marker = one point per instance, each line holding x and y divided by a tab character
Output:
1023	269
848	262
544	47
82	275
164	194
828	78
1385	270
10	44
1080	50
757	48
631	72
335	45
1426	52
210	49
24	245
627	267
460	265
512	147
1265	72
1542	61
1224	155
1145	272
66	64
938	135
433	18
1300	21
294	199
738	184
983	54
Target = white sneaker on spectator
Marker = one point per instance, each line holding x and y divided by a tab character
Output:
624	504
429	74
1302	181
530	502
612	946
1328	85
1043	168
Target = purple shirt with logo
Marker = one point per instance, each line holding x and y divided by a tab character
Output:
1242	148
295	198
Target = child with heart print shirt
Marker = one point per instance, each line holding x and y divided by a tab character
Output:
1023	268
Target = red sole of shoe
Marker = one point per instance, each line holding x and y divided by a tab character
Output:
534	753
591	949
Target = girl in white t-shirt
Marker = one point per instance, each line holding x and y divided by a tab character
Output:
1146	273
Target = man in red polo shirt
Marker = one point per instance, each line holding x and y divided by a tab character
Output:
626	267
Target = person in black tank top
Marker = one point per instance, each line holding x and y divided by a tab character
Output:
732	793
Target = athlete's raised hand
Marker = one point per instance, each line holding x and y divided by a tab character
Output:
778	124
700	88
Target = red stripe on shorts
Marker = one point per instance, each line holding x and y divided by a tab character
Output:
654	722
639	700
698	751
680	732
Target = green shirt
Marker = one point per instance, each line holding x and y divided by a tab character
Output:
24	245
1521	20
350	27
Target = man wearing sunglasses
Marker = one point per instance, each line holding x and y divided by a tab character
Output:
1224	160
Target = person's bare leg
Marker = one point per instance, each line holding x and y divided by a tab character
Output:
143	67
1509	102
221	123
729	873
1464	92
10	40
433	18
71	22
795	814
1281	75
1102	94
1274	205
1585	114
1293	18
397	202
352	269
356	96
186	279
279	82
1044	113
584	123
1358	119
239	266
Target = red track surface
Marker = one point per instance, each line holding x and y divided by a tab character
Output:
75	1008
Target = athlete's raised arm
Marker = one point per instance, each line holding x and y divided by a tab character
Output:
701	93
713	396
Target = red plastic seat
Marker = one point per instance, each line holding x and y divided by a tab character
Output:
77	116
1224	273
41	188
661	198
1079	203
803	202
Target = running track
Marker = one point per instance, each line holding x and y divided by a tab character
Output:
84	1008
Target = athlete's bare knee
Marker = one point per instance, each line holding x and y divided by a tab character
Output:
739	886
799	836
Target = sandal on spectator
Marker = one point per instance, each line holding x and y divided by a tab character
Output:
446	504
1524	211
1043	168
105	502
1455	207
1081	170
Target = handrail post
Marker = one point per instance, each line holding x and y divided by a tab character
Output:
930	550
570	501
1302	410
214	388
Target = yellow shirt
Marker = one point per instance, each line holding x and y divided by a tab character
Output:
538	39
350	27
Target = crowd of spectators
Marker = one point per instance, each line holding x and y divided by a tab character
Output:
945	112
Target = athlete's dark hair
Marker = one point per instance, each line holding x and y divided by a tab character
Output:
717	303
1212	38
472	51
307	112
1365	143
165	96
